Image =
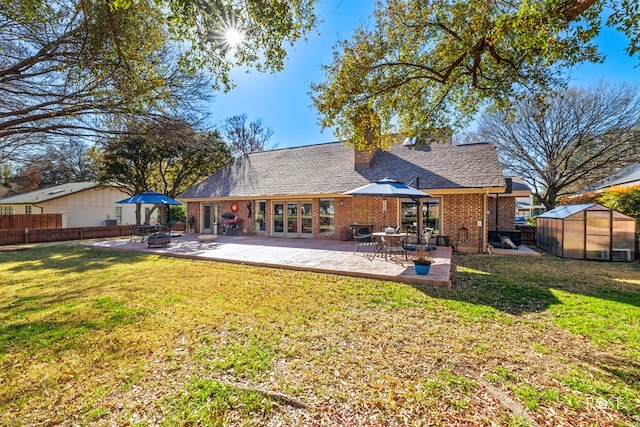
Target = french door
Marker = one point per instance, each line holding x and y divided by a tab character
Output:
293	219
210	218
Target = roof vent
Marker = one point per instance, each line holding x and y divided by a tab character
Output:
409	142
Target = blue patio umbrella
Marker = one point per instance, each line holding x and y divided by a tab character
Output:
150	198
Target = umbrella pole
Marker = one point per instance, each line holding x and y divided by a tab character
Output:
420	223
384	212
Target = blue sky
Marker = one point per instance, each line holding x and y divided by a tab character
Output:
281	100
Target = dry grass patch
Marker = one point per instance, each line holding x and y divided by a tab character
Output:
94	337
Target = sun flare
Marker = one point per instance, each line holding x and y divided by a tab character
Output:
233	36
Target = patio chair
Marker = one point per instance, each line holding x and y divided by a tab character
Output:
136	232
364	240
414	243
390	245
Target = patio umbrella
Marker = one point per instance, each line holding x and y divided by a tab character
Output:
150	198
387	188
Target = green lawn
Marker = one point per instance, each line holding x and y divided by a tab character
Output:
95	337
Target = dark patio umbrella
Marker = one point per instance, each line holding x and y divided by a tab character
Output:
150	198
387	188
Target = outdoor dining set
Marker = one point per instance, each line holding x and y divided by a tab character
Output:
392	242
154	235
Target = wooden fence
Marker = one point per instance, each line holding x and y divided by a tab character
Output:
22	221
29	235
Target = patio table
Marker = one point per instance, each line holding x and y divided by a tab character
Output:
143	231
391	242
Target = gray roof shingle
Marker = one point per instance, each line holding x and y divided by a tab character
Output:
329	169
44	194
626	176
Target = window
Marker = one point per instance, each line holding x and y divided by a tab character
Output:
119	214
409	217
261	215
430	214
327	214
27	209
6	210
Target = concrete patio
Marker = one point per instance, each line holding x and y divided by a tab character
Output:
324	256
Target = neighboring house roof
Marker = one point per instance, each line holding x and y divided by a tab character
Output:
519	184
625	176
329	169
43	195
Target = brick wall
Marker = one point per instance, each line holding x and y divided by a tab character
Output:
461	213
506	213
459	222
193	210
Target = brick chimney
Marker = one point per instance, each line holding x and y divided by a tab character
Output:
363	159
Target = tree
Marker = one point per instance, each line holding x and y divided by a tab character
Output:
244	140
67	66
428	65
62	164
166	155
563	142
625	199
65	63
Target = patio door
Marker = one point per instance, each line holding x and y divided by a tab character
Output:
293	219
210	218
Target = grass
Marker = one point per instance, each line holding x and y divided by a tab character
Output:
95	337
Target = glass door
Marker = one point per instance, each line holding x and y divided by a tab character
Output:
293	219
278	219
210	218
207	219
293	222
306	219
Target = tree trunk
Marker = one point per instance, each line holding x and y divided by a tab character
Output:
572	9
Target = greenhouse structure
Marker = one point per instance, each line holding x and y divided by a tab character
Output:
587	231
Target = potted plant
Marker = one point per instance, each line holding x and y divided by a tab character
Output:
422	265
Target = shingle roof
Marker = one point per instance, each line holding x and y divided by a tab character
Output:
628	175
45	194
329	169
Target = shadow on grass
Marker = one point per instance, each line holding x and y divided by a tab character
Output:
517	285
66	259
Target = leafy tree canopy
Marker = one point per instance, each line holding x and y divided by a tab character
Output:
212	30
68	66
166	155
433	64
